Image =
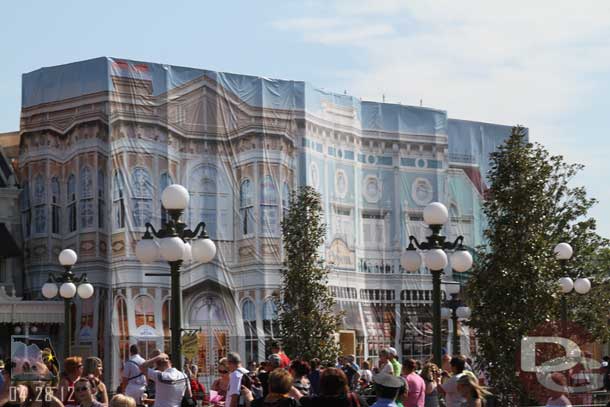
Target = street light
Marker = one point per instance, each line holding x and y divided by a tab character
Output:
175	244
68	289
563	253
454	309
435	259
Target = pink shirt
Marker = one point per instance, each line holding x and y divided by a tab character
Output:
416	396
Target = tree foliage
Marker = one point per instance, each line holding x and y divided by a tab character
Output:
307	319
530	207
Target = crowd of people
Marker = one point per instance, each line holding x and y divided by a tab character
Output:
275	382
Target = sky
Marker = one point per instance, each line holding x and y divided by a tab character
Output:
543	64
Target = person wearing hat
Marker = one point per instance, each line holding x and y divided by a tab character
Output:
388	388
273	362
393	358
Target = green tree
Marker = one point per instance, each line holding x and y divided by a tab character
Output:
530	207
307	319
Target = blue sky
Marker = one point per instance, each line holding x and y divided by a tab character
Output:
544	64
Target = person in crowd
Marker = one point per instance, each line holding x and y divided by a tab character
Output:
221	384
559	398
85	390
418	367
93	366
449	388
446	362
314	377
235	379
351	370
605	371
121	400
170	383
385	366
276	349
197	388
387	388
365	373
334	392
274	361
471	391
415	396
432	377
299	371
280	385
393	358
257	388
73	370
133	381
252	366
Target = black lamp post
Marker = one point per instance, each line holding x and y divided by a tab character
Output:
175	244
563	253
435	216
455	309
67	290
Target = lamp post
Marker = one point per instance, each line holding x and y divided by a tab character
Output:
68	289
563	253
435	258
175	244
455	309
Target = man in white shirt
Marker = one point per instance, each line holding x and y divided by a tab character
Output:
237	372
170	383
132	379
385	366
452	396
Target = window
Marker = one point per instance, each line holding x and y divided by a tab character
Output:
142	190
55	196
285	199
246	207
270	323
165	315
86	198
118	200
71	202
376	229
164	182
123	326
26	211
101	201
211	201
40	208
269	206
145	311
249	318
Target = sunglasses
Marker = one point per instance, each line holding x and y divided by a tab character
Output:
83	388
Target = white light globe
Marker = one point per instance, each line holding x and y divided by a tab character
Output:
563	251
445	313
188	253
49	290
67	257
582	285
410	260
436	214
175	196
33	329
452	288
85	291
171	248
147	251
67	290
436	259
461	261
566	284
204	250
463	312
17	329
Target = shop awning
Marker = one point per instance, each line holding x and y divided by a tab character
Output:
14	310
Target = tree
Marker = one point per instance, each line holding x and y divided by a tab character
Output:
530	207
306	316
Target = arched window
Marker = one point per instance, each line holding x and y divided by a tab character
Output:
26	211
142	190
164	181
40	208
87	214
285	199
269	209
118	200
270	323
101	198
55	197
211	201
71	203
145	311
123	327
246	207
165	316
249	318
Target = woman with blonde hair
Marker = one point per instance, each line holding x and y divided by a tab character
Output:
472	392
93	366
121	400
221	384
432	377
